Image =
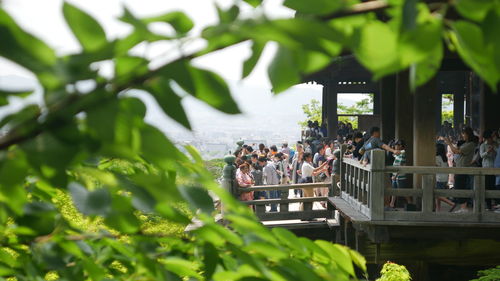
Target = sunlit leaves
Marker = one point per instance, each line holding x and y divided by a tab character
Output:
85	28
377	48
474	9
472	47
202	84
251	61
178	20
283	70
319	7
198	198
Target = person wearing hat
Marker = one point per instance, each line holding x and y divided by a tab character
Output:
399	179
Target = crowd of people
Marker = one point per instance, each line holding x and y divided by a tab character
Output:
316	159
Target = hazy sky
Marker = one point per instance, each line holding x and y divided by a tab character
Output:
44	19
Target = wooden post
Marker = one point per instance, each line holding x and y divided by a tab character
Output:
331	109
284	206
479	196
377	185
424	127
427	194
336	191
388	103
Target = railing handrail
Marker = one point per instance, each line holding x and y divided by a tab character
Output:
284	186
425	170
357	164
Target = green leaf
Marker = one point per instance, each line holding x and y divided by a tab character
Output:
181	267
474	9
39	217
168	100
470	43
202	84
283	70
422	72
250	63
229	15
50	157
13	171
157	148
319	7
376	48
419	43
210	260
198	198
122	217
97	202
339	254
129	67
86	29
178	20
213	90
23	48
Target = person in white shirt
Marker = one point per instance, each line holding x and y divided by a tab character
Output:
441	179
308	171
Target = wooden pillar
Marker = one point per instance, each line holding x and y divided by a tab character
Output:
439	109
424	127
323	104
331	109
476	89
490	115
404	114
458	109
377	101
387	104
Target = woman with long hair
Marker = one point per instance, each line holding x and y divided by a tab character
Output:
464	155
441	179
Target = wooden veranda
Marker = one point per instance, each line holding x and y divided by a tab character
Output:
421	238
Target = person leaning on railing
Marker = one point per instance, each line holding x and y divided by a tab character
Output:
374	142
464	154
308	172
488	152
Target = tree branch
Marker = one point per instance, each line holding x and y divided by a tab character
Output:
361	8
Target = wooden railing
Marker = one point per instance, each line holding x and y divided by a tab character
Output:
306	211
364	188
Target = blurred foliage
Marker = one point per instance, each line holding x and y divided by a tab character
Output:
491	274
125	177
394	272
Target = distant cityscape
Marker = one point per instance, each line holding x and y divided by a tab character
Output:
267	118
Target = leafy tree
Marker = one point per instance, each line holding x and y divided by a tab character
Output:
313	112
447	114
394	272
490	274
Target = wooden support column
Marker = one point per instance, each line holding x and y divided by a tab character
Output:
388	104
323	104
476	89
404	114
424	127
331	109
458	109
377	100
490	115
439	109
